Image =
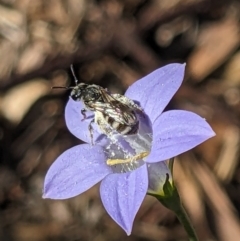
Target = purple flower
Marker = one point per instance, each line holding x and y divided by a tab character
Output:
124	186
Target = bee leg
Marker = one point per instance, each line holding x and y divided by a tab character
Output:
90	128
83	112
102	124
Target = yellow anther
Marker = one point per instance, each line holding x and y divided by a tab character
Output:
140	156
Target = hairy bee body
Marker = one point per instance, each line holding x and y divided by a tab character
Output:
119	118
113	112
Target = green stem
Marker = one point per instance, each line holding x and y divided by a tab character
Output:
180	211
176	206
170	198
172	201
183	218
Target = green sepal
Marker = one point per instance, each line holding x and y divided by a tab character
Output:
170	197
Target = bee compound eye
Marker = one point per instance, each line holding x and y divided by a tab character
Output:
76	95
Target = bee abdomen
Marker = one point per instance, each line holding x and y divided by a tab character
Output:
123	129
130	130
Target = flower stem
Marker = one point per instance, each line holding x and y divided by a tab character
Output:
181	213
174	204
171	200
183	218
168	195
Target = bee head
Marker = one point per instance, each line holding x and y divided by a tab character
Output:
78	92
82	92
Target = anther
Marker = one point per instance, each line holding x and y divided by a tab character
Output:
140	156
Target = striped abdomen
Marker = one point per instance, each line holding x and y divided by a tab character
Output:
122	128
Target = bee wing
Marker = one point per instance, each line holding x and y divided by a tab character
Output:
115	109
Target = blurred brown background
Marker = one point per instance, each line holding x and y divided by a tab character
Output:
113	43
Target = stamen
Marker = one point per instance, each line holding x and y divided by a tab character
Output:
140	156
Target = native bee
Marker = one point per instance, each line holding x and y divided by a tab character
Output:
112	112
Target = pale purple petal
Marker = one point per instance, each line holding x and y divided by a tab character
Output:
155	90
175	132
122	195
78	127
75	171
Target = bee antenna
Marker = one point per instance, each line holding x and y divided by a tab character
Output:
60	87
73	73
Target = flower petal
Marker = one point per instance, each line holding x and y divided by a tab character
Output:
155	90
122	195
75	171
78	127
175	132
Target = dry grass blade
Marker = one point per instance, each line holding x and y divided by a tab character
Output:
226	221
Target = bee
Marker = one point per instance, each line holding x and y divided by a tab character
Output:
113	113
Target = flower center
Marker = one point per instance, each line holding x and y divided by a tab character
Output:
126	153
